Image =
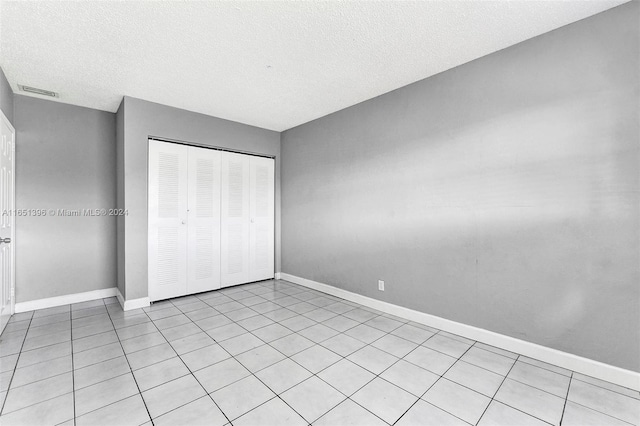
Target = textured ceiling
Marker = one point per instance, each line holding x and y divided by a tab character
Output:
269	64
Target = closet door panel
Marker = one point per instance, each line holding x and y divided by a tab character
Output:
235	219
167	220
203	248
261	207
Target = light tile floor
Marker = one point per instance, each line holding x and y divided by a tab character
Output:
274	353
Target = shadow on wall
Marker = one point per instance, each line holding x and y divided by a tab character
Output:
503	194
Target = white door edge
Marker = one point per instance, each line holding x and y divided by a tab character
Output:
13	220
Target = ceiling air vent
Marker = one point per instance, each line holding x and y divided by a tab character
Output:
37	91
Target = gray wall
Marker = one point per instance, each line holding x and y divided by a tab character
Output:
503	193
6	97
65	159
143	119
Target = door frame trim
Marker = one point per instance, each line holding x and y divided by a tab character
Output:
13	219
216	148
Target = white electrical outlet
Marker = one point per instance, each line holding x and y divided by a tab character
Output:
380	285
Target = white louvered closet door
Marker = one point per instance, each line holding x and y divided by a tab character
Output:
167	220
261	207
203	248
235	219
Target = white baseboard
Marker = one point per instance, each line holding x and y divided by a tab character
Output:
120	298
51	302
609	373
277	275
128	305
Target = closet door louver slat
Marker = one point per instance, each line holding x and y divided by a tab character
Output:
204	220
167	220
235	218
211	219
261	200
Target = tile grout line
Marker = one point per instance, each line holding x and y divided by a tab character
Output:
189	369
251	373
386	333
319	343
180	357
544	368
130	370
636	397
102	381
483	368
296	314
498	389
592	408
15	367
376	376
64	341
604	414
396	362
347	397
518	381
515	360
317	322
441	376
36	381
564	407
167	341
277	395
73	370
